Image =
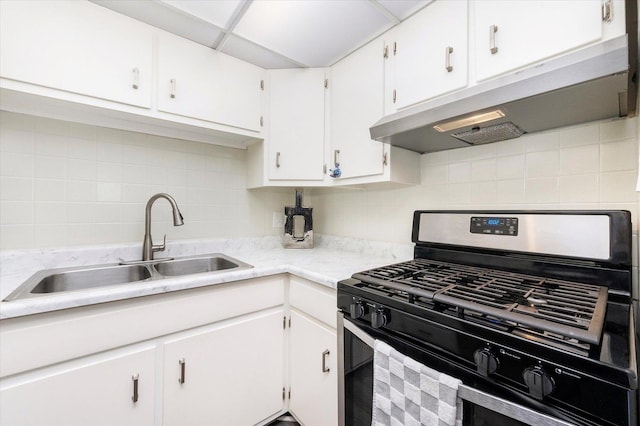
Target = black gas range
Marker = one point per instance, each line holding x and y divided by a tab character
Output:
529	309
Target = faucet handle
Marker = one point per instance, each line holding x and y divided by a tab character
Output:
160	247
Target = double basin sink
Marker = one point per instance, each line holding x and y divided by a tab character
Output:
59	280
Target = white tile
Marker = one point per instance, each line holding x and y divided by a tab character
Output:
50	190
579	188
80	213
108	191
16	165
134	174
580	135
541	190
511	147
14	237
542	164
510	191
15	121
52	145
544	141
133	193
50	235
132	154
108	172
580	160
511	167
51	126
440	157
81	169
483	170
618	187
81	149
80	234
16	213
624	128
16	189
18	141
84	132
459	193
459	172
50	213
622	155
108	213
109	152
484	192
50	167
81	191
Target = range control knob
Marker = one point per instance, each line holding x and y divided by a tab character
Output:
357	309
379	318
540	382
486	362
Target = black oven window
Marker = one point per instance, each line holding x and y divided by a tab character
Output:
358	380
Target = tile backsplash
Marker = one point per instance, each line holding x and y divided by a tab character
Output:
68	184
591	166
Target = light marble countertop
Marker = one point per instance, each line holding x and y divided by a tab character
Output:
331	260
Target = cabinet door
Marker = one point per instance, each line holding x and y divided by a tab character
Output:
77	47
514	34
98	392
431	53
198	82
296	124
357	92
313	372
233	373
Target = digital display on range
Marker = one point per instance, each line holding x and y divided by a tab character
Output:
494	225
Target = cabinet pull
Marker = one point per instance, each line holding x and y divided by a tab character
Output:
447	58
493	29
261	84
394	96
172	88
395	48
135	378
261	121
278	159
385	159
135	80
336	156
607	11
183	365
385	52
325	354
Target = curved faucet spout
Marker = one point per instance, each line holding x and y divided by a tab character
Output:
147	246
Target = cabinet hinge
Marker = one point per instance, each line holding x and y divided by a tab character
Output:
607	11
385	159
385	52
261	84
326	83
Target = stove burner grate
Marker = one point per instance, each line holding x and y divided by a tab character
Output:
558	307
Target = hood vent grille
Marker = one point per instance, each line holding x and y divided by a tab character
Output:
494	133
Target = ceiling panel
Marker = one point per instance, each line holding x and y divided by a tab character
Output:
313	33
402	9
218	12
257	55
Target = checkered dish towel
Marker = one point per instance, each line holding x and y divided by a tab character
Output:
407	393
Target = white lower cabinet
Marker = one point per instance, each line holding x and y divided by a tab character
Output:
116	388
228	374
313	371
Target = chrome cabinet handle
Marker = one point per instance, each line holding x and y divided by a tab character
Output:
135	78
135	378
493	29
325	354
607	11
336	156
278	159
172	90
183	365
447	58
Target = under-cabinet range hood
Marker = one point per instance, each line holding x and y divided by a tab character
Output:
597	82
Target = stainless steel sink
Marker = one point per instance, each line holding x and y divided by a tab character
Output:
172	268
51	281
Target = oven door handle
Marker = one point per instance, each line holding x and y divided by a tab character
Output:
467	393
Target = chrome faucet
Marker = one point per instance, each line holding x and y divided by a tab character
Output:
147	246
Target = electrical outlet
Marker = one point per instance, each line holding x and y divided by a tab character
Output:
278	220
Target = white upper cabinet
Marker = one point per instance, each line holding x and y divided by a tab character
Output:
196	81
296	124
76	47
357	84
512	34
429	53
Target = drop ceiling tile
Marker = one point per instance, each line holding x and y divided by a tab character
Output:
313	33
402	9
254	54
159	15
217	12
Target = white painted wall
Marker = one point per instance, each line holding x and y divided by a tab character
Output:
68	184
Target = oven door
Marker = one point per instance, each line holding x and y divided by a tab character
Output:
355	377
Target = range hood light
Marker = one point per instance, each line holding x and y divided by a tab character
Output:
469	121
